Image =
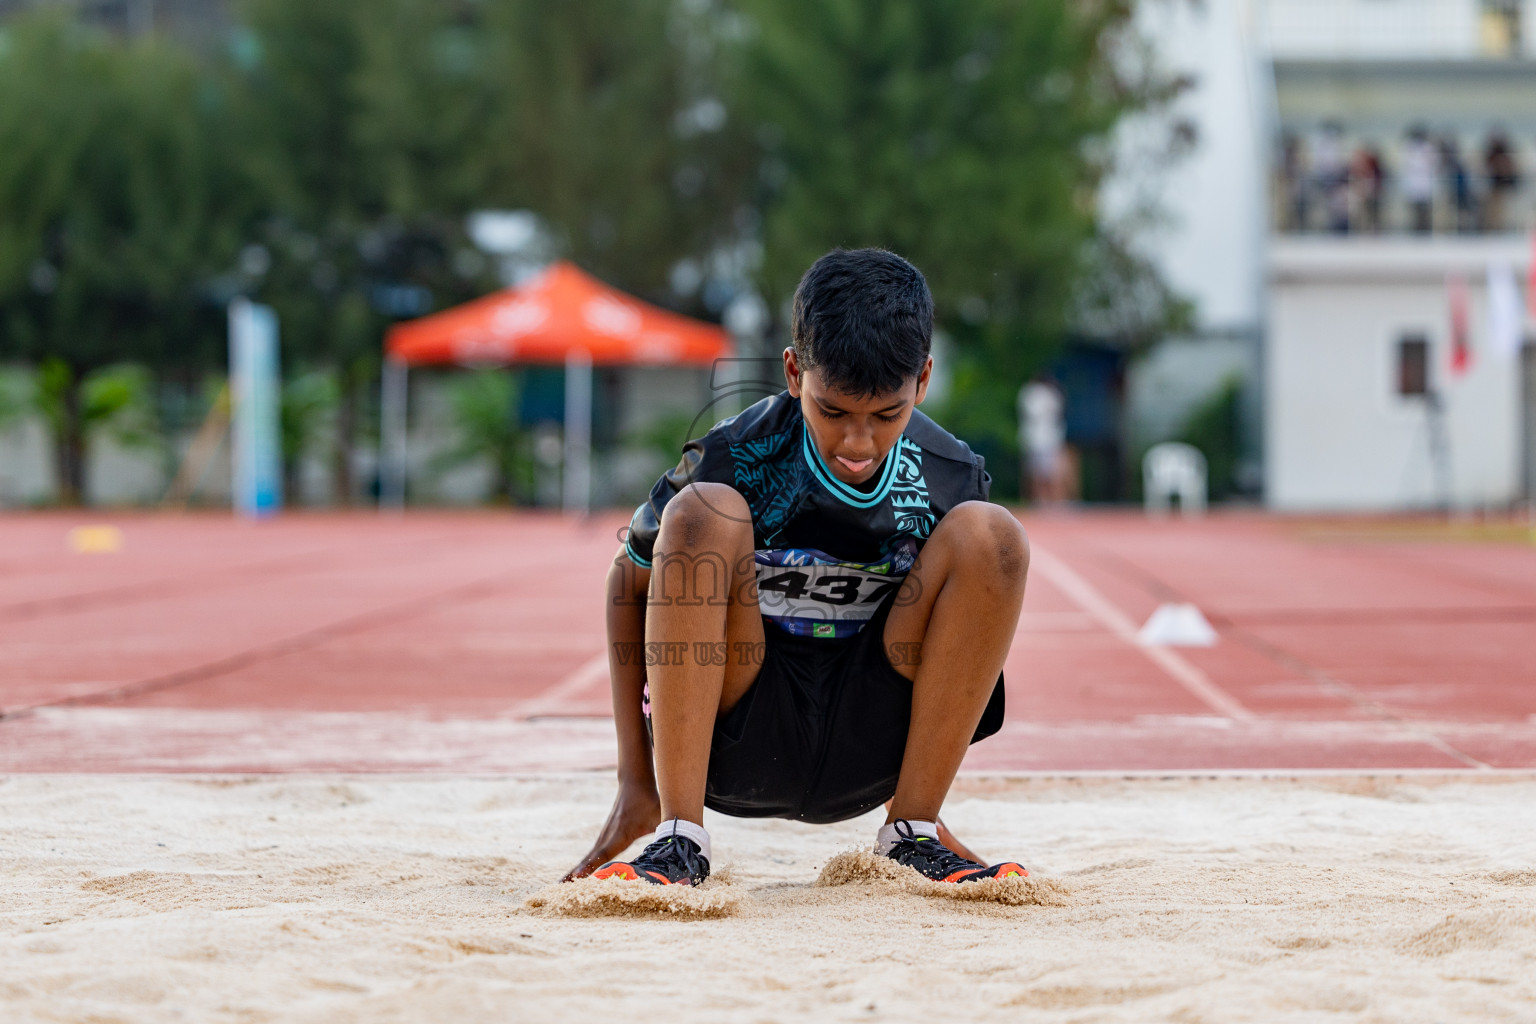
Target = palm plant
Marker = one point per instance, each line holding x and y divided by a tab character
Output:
308	400
114	403
485	411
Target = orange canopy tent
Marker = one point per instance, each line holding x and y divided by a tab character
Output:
560	312
563	315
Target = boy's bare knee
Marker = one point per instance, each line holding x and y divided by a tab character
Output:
993	540
703	515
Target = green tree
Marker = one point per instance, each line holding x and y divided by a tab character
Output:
308	399
113	402
15	396
968	135
116	207
607	118
357	118
1215	428
485	405
374	127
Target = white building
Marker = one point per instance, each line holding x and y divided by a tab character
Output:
1308	272
1365	409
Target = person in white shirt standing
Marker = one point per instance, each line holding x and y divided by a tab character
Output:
1421	169
1042	438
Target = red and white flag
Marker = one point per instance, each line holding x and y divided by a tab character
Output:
1530	281
1461	341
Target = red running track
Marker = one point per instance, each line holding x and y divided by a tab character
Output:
473	642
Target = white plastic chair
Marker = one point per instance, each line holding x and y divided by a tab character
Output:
1174	468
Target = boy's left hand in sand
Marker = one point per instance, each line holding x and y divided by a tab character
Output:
636	810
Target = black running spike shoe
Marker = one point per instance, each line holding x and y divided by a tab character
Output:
933	859
670	860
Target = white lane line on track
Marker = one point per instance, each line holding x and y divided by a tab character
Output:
1087	597
553	700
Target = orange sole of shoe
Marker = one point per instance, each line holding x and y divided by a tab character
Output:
1009	870
629	874
623	871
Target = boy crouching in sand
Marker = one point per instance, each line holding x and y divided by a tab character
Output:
828	596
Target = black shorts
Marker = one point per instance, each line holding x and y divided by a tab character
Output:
820	735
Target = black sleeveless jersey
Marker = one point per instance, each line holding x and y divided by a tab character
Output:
827	553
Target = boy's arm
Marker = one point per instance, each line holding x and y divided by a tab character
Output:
637	808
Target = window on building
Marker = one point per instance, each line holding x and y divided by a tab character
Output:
1413	365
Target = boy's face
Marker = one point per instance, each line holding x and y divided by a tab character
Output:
853	434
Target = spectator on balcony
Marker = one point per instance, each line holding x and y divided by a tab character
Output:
1420	169
1366	177
1503	179
1459	183
1330	175
1293	182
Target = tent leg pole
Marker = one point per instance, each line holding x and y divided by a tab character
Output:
577	491
392	435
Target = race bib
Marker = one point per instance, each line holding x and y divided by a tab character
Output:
810	593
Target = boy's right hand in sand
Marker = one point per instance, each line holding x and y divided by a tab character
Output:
636	810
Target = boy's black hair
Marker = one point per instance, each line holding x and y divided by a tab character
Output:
863	320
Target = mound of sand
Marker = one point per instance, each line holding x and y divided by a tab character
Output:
718	897
614	897
381	899
862	868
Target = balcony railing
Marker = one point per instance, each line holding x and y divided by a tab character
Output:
1354	204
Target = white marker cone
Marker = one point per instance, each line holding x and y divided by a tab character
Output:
1177	625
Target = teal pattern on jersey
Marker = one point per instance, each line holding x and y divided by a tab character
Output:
909	492
768	480
772	482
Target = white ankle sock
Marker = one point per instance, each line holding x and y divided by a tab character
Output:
887	837
686	829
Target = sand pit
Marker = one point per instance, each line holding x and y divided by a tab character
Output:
879	876
304	898
614	897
